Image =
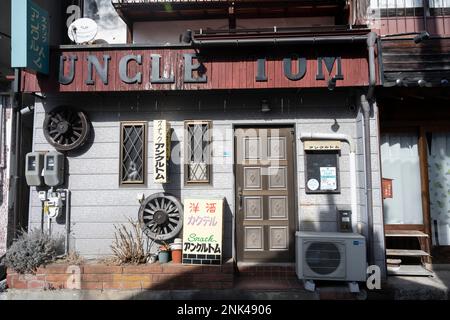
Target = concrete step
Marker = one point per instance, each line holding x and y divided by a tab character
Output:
406	253
409	270
405	233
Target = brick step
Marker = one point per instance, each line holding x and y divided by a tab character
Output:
267	271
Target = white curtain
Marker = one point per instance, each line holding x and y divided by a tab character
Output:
439	181
400	162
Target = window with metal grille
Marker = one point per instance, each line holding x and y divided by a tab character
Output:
197	166
397	8
133	137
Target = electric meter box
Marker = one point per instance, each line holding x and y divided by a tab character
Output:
344	219
34	163
54	169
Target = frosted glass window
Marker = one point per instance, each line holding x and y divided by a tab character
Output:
400	162
439	182
396	4
439	3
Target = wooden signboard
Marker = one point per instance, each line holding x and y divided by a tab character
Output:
202	231
387	188
161	150
80	69
322	145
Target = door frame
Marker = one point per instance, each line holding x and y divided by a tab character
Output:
420	130
235	126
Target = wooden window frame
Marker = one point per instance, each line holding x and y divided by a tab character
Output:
187	182
143	182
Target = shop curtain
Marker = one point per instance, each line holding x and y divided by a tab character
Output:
400	162
439	180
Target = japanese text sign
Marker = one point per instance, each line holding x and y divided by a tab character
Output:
161	150
30	36
202	231
322	145
387	188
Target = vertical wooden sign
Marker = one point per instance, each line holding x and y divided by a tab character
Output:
202	231
161	151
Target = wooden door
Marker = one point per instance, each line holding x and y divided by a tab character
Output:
265	194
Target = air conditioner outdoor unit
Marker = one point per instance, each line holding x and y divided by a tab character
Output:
335	256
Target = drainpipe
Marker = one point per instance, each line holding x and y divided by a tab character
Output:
426	12
2	153
372	38
67	212
17	102
278	41
352	155
366	102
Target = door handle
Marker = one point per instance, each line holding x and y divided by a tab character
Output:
240	197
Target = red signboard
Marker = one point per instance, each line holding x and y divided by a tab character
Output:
387	188
185	69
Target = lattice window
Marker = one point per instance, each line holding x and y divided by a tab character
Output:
133	152
198	152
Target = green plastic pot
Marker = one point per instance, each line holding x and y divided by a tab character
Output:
164	256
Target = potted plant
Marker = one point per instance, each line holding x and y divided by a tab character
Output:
164	253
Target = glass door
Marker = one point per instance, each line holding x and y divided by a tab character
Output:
400	163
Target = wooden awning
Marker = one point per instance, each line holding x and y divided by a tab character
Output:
410	64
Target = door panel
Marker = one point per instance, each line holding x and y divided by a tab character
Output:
401	163
265	194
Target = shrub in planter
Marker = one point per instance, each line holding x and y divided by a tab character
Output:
32	250
128	245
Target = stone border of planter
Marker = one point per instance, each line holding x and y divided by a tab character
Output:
154	276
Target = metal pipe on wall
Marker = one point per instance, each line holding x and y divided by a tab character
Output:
15	165
366	104
2	147
67	211
278	41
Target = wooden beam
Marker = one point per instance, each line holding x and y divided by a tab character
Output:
425	191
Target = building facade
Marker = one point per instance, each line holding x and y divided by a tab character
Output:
271	109
5	124
414	132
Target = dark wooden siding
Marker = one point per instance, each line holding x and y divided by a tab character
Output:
224	69
403	59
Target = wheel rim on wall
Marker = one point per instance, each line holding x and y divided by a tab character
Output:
161	216
66	128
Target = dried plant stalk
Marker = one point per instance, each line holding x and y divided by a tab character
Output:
128	246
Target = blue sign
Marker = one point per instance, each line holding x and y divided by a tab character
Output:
29	36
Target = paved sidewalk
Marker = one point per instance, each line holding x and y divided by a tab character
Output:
396	288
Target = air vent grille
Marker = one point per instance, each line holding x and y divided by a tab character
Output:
323	257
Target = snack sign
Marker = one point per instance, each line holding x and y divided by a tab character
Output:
202	231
